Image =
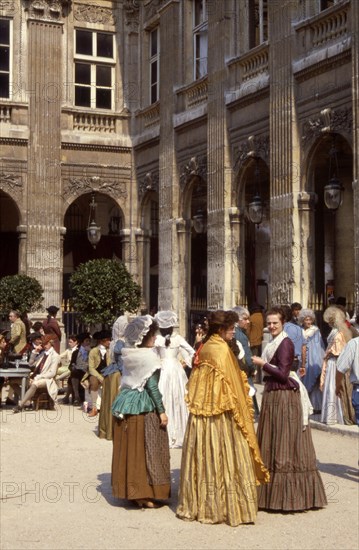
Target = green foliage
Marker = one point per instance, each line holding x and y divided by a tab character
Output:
21	293
102	290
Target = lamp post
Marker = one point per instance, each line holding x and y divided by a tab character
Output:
199	221
93	230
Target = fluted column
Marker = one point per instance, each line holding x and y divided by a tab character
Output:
355	88
219	288
44	250
143	255
183	228
169	285
305	252
284	159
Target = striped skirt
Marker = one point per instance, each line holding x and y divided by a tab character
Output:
217	482
288	453
140	459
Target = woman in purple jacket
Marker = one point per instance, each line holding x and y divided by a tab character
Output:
284	434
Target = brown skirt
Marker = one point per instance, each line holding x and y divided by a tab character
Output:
346	399
109	391
288	453
140	463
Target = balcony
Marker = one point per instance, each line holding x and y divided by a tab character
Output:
249	74
93	122
192	95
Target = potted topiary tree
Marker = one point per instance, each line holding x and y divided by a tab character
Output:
102	290
21	293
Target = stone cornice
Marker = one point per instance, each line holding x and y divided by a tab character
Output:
322	66
95	147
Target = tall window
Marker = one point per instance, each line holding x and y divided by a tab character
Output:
200	38
324	4
5	57
258	22
94	69
154	65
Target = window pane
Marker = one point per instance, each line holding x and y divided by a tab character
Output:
104	45
84	42
153	72
154	42
4	58
198	12
103	75
103	98
82	96
4	31
154	94
82	73
4	85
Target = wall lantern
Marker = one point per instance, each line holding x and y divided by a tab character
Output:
93	230
199	221
333	191
255	207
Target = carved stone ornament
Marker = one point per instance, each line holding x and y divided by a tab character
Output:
7	7
196	166
48	10
152	7
253	146
91	13
339	120
149	183
132	11
78	186
11	184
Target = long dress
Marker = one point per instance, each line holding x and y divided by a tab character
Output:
221	463
335	410
285	442
110	387
141	457
315	351
172	384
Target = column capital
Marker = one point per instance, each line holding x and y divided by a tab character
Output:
307	200
182	225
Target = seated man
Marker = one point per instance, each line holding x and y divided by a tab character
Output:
45	361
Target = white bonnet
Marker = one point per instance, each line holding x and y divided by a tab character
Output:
119	327
137	329
166	319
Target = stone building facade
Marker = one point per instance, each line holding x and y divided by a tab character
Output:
174	115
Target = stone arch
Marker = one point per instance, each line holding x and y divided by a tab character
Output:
332	254
10	223
253	253
76	247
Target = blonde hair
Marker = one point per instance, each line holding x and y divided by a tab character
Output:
335	316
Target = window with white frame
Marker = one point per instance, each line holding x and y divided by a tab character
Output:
94	69
258	22
200	38
154	65
325	4
5	58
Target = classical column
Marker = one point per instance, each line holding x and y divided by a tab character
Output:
44	251
355	88
305	252
237	228
219	180
143	255
284	159
183	228
169	284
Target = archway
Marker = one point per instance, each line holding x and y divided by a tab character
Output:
333	253
9	220
255	239
77	248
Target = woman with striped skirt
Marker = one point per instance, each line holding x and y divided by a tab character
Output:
284	434
221	463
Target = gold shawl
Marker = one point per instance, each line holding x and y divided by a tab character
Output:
217	385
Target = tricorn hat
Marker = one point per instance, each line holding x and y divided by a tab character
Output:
52	310
102	335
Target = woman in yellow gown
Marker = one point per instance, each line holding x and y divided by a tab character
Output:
221	463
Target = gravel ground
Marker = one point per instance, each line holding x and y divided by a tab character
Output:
56	494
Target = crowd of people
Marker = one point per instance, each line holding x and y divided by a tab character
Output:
153	391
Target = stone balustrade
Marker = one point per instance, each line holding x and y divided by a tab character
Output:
94	122
5	113
254	63
329	25
192	95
